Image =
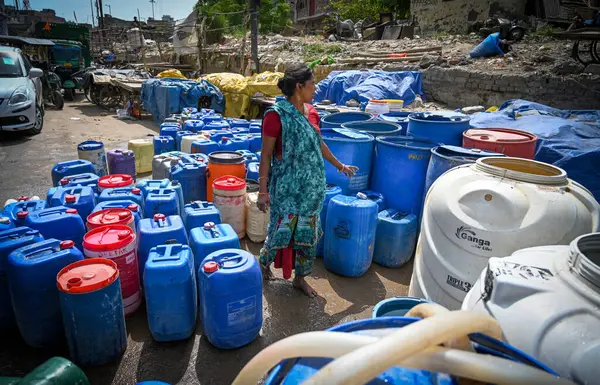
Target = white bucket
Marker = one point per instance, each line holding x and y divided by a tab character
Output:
256	220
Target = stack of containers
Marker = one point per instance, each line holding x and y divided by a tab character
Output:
224	163
230	198
93	151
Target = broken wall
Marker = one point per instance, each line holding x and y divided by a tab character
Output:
309	8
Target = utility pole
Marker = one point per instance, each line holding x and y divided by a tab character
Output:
244	36
139	18
153	1
254	33
92	7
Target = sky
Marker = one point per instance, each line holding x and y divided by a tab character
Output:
123	9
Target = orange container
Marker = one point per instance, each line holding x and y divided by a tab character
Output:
222	163
505	141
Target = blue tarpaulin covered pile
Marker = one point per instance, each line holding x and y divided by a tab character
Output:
567	139
362	86
163	97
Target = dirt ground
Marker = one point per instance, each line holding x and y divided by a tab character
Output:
26	165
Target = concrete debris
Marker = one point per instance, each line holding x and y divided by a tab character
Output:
569	67
472	109
429	60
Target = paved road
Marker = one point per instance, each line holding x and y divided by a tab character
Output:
26	164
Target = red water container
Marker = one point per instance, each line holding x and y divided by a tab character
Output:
506	141
117	243
107	217
115	180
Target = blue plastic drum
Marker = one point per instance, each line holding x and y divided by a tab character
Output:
445	127
93	151
397	117
336	120
375	127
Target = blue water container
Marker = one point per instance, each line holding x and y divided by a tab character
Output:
193	125
240	142
16	211
255	128
218	125
226	144
92	311
336	120
377	198
122	204
164	144
179	137
397	306
239	123
252	172
217	135
350	234
170	130
351	148
6	223
230	289
81	198
249	156
196	214
71	167
399	169
210	118
374	127
93	151
156	231
32	271
443	158
329	193
397	117
192	178
211	237
62	223
204	146
200	158
148	185
255	142
86	179
258	155
161	201
444	127
396	238
171	292
122	193
10	240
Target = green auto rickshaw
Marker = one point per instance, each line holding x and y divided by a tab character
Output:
67	59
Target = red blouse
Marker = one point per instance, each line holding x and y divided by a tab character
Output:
272	127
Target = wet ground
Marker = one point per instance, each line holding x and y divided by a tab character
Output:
26	164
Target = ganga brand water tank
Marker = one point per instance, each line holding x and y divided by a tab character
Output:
491	209
557	290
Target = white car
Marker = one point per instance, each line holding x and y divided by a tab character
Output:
21	97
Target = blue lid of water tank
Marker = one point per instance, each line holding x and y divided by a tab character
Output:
440	117
455	151
343	134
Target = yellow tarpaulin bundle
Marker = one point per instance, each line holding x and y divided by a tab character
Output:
173	74
264	83
228	82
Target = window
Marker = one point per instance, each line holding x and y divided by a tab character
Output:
10	65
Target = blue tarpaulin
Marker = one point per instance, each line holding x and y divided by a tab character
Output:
362	86
567	139
163	97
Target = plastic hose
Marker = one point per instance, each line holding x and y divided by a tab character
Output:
354	368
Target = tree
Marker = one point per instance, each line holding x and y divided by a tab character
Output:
369	9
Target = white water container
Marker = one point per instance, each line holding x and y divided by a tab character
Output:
547	302
256	220
229	196
492	209
186	142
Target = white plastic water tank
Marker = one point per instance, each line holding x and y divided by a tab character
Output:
547	302
492	209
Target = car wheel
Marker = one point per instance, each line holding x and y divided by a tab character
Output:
39	121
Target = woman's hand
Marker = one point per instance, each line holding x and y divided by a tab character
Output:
349	171
264	200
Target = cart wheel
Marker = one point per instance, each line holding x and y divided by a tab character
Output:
583	52
109	97
595	52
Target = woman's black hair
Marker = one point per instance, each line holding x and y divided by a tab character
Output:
296	73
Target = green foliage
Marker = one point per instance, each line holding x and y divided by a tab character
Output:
274	18
369	9
546	31
317	51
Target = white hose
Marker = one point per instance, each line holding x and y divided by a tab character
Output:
365	363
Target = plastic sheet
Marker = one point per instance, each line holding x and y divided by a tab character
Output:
490	46
567	139
342	86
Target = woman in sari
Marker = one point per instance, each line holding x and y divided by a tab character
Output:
292	179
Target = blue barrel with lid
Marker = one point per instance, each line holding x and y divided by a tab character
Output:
122	204
397	117
399	169
93	151
179	136
62	223
238	123
164	143
443	158
211	237
193	125
444	127
396	238
71	167
85	179
350	234
255	142
218	125
192	178
170	130
171	292
10	240
374	127
352	149
159	230
81	198
204	146
209	118
196	214
92	311
32	271
16	211
330	192
161	201
252	171
230	288
336	120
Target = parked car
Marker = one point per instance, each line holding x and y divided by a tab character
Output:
21	96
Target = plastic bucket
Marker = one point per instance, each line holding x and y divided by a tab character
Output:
397	307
